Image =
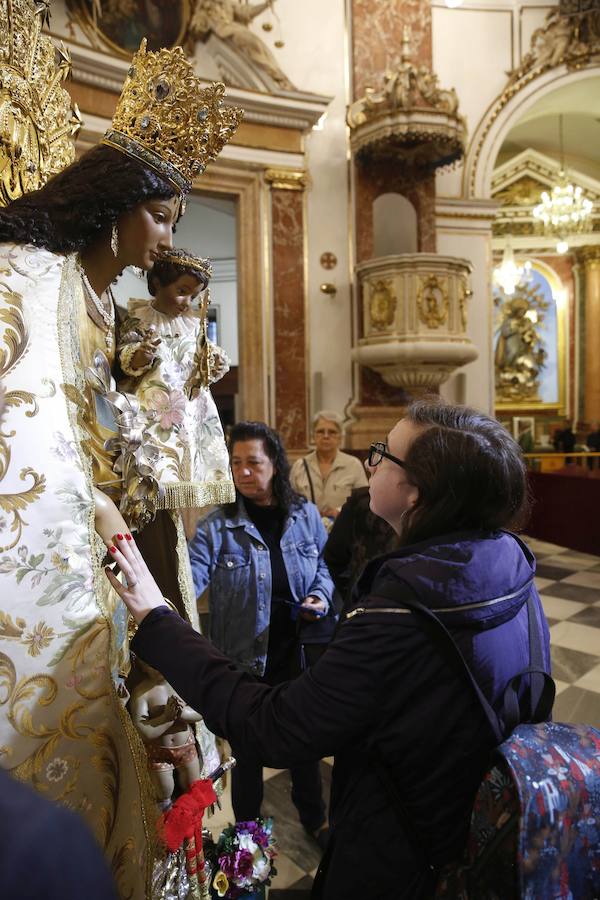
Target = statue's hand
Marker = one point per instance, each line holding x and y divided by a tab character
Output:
173	708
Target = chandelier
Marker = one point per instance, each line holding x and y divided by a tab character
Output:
564	211
508	275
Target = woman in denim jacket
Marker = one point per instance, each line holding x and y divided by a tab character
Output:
270	594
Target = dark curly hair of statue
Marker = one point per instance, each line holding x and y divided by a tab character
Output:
80	203
165	273
470	473
283	493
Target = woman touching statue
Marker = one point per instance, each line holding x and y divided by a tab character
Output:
63	640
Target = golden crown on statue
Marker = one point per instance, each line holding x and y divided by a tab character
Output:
37	120
167	120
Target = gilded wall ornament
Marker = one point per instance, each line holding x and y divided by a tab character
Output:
382	305
328	260
520	353
287	179
432	302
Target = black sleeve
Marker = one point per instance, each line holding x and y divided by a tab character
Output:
338	549
313	716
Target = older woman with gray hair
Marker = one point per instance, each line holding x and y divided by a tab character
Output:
327	476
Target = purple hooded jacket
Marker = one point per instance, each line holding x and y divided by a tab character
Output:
381	690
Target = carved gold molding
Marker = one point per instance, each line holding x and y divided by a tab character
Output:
382	305
287	179
432	302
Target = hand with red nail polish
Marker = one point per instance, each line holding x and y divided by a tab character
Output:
140	593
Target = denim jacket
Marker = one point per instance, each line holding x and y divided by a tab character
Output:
228	552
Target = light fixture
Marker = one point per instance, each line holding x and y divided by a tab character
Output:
564	211
508	275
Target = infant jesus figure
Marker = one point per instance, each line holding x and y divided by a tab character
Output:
170	363
165	725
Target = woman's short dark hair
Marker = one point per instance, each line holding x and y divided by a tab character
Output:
470	473
165	273
283	492
80	203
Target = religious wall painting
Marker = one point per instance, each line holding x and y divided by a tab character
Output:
529	343
120	25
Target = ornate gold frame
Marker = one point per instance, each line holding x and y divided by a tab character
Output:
80	12
562	313
427	287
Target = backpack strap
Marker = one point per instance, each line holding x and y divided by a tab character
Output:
310	481
541	689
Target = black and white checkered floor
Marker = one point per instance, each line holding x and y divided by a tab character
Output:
569	585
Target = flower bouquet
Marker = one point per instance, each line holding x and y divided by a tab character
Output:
243	860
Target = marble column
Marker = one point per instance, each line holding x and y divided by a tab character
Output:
590	257
377	34
289	307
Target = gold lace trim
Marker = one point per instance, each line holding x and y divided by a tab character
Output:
182	494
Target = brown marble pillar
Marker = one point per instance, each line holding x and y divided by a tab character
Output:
377	35
289	315
590	257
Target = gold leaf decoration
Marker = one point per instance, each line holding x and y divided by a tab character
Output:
16	336
14	504
107	762
8	678
9	629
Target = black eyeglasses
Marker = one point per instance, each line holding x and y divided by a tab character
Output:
378	451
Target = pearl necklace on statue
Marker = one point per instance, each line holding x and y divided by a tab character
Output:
107	317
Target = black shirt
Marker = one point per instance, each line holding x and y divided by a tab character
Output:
282	646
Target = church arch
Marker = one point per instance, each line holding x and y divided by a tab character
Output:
503	114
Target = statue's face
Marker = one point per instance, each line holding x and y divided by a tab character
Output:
146	231
176	298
